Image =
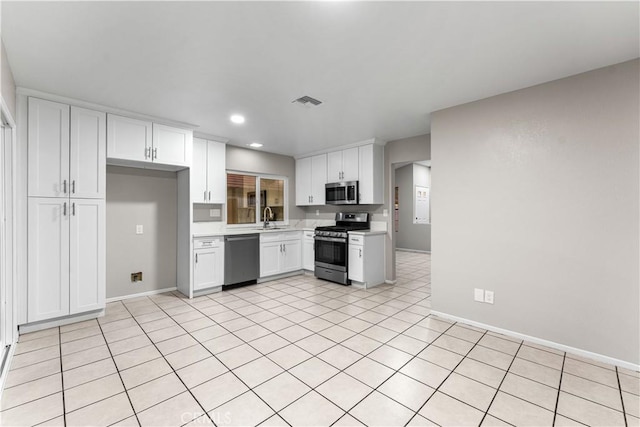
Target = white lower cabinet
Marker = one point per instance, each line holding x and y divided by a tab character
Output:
66	257
280	253
366	259
308	250
208	263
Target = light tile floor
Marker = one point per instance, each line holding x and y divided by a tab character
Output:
300	351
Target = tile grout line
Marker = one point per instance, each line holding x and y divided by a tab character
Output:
624	412
500	385
119	376
555	411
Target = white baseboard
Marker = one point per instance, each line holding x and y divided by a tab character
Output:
577	351
390	282
142	294
412	250
46	324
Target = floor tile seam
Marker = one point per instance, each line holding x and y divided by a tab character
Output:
624	411
36	349
119	376
31	364
500	386
436	389
223	364
618	387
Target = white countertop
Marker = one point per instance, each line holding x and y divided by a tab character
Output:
236	231
368	232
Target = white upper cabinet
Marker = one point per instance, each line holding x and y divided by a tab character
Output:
66	151
48	143
311	177
172	146
88	154
342	165
129	139
371	174
208	172
132	141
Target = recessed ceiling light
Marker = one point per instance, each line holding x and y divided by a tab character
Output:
237	119
255	145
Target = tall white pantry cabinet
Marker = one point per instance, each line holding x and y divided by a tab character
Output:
66	210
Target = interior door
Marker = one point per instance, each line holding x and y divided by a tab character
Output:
48	252
198	172
48	142
88	155
87	277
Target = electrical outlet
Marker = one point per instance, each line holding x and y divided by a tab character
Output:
478	295
488	297
139	229
136	277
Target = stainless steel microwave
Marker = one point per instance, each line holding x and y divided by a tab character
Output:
342	193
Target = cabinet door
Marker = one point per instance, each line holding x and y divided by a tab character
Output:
318	179
198	172
88	154
172	146
48	258
356	264
334	166
371	171
270	255
303	181
216	172
308	254
207	268
87	279
350	164
128	139
48	147
292	255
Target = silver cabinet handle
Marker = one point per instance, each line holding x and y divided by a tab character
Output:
155	153
64	186
311	199
147	152
205	195
73	186
360	253
284	248
64	209
196	258
73	209
209	195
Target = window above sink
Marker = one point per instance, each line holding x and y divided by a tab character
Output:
248	195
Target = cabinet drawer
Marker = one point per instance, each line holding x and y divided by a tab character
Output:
356	240
280	237
309	234
207	243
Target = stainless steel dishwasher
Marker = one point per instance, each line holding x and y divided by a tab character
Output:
241	259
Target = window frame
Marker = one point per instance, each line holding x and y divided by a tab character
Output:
258	176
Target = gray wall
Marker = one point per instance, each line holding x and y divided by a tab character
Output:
409	235
537	198
147	197
245	160
8	90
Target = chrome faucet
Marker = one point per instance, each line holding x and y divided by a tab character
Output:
266	219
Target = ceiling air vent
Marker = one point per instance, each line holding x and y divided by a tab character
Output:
306	100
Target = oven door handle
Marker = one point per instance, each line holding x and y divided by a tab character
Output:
331	239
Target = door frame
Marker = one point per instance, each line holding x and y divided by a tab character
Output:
8	251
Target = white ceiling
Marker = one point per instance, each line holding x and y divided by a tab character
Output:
380	68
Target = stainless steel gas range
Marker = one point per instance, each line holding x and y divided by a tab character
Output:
332	246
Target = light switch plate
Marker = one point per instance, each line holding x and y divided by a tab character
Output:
488	297
139	229
478	295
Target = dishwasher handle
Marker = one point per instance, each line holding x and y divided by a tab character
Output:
240	238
